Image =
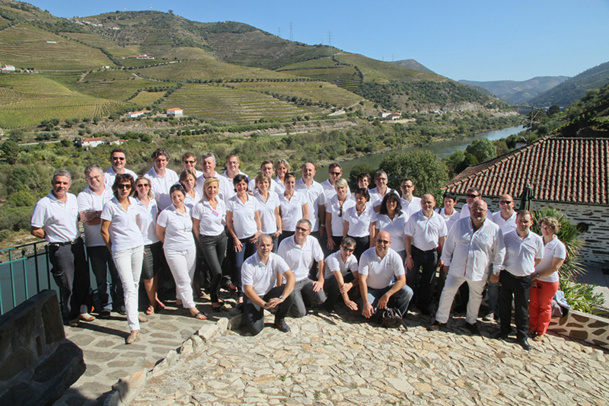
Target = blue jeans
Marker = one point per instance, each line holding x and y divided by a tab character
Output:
110	295
399	299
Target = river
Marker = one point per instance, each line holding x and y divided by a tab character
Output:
441	148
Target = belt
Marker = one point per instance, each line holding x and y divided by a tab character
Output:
62	244
425	252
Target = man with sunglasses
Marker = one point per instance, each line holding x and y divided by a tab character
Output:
472	194
189	163
300	251
379	267
335	172
341	276
505	218
161	178
118	160
90	204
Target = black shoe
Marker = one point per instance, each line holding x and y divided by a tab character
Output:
104	314
435	326
282	326
473	328
501	336
524	343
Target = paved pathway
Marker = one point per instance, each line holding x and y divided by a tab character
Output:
332	359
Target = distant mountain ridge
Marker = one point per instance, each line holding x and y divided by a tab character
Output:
573	89
412	64
516	92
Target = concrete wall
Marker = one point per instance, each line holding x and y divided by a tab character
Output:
37	362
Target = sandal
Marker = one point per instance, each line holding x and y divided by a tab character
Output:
200	316
160	305
150	310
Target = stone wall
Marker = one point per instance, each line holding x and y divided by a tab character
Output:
583	326
37	362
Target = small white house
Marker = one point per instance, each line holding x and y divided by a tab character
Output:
175	112
89	142
134	114
8	68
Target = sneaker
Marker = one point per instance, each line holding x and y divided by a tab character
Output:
86	317
489	317
282	326
473	328
436	325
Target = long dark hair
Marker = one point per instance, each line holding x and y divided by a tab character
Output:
393	196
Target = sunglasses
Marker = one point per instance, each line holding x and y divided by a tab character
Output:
124	186
189	162
471	195
505	202
117	158
304	230
348	249
382	241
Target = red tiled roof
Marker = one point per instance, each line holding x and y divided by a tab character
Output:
559	169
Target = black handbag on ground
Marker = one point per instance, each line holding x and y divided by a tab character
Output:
391	318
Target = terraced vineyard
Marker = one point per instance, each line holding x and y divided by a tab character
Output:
26	46
146	98
379	71
222	104
206	69
97	41
344	76
323	92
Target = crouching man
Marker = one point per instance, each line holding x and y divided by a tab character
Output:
377	268
259	274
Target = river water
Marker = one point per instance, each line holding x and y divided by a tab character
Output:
442	149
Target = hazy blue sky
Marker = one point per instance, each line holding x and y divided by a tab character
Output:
468	39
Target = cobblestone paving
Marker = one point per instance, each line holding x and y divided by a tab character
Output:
108	359
330	359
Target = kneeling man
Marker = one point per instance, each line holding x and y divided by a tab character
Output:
377	268
259	274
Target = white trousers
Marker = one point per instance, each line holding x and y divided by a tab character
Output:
129	266
182	266
451	286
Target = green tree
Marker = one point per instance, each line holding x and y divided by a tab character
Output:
483	150
11	150
424	167
356	170
554	109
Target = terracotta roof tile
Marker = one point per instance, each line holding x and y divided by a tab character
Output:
559	169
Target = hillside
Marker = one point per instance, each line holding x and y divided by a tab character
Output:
516	92
412	64
120	61
574	88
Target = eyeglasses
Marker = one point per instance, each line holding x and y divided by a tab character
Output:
547	227
190	162
348	249
505	202
382	241
335	173
124	186
304	230
118	158
471	195
94	177
143	185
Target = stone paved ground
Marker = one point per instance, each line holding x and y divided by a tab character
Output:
108	359
332	359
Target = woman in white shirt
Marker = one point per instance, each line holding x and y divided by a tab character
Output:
390	218
188	179
153	248
293	207
358	219
282	168
268	203
244	227
335	211
546	279
174	229
122	235
208	221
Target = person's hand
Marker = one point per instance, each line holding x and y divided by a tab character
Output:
330	243
440	263
383	302
317	286
346	288
368	310
494	278
445	269
272	303
238	245
409	262
351	305
255	237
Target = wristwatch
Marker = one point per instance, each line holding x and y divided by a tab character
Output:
281	297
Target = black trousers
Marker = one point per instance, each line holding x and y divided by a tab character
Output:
518	288
253	315
421	276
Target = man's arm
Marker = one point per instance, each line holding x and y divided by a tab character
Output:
367	310
441	242
319	283
253	296
344	290
287	291
399	284
408	245
37	232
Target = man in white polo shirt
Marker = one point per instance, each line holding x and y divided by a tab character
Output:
341	275
378	193
118	160
161	178
90	204
378	268
425	235
316	198
225	188
55	218
523	251
410	203
259	274
189	163
268	168
299	252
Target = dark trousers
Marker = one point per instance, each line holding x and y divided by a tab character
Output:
110	295
333	291
253	315
71	274
213	249
284	235
420	278
361	245
247	250
517	287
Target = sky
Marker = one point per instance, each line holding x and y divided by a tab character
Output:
480	40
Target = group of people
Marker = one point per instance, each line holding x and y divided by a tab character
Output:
288	245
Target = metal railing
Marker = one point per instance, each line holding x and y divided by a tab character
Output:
25	270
